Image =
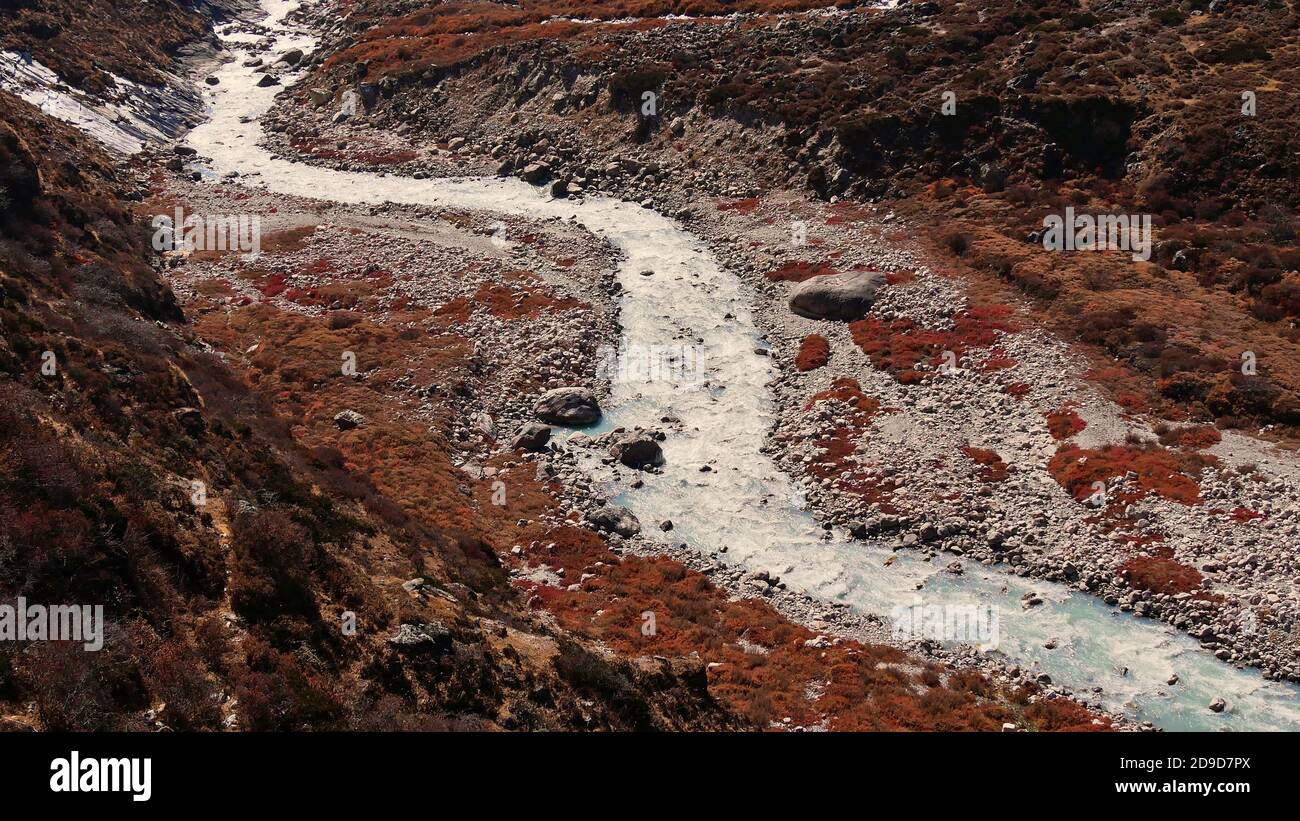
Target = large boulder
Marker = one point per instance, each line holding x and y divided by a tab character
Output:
844	297
191	419
531	437
614	519
427	637
567	406
369	94
637	449
536	172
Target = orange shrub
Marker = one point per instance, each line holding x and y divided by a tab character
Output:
1166	473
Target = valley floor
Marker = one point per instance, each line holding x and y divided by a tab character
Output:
944	423
952	434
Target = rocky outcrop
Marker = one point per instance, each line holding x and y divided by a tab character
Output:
348	419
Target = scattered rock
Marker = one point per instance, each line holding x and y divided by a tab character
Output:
637	449
348	419
426	636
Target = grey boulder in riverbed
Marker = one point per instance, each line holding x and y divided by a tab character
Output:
614	519
567	406
842	297
638	449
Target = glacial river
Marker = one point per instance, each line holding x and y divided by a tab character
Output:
746	503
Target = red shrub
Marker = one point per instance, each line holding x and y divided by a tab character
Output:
1163	472
1064	423
799	270
1193	438
992	468
272	574
814	352
901	345
745	206
1160	575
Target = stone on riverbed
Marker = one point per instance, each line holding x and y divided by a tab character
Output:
614	519
637	449
536	172
567	406
844	297
531	437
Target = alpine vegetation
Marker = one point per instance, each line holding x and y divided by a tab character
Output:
646	365
1098	232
